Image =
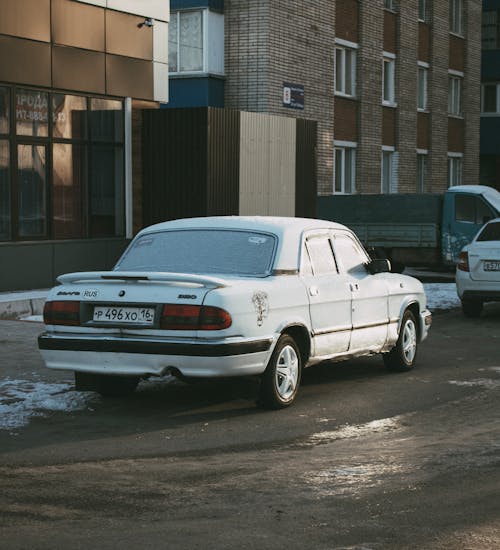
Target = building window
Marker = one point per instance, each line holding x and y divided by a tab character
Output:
422	10
456	17
196	42
67	175
490	30
422	79
390	5
455	95
345	167
455	164
421	171
490	99
389	80
389	171
345	71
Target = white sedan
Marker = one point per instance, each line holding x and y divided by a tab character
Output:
478	270
232	296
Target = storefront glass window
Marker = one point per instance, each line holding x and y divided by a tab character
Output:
68	176
4	190
32	113
106	120
31	170
69	116
106	194
4	110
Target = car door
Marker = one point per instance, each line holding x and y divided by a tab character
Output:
329	296
370	311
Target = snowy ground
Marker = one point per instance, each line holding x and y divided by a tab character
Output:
20	400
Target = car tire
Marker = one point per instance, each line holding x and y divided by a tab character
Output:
472	308
281	379
106	385
403	355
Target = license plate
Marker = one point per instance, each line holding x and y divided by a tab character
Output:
491	265
134	315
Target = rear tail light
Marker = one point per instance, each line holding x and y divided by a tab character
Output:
463	261
62	313
190	317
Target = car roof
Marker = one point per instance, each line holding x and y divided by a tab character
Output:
288	230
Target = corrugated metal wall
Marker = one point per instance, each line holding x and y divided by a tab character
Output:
267	165
208	161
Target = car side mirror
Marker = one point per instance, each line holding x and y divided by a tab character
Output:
378	265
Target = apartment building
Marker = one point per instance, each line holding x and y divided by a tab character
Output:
74	76
490	95
394	85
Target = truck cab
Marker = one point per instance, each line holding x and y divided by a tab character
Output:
466	208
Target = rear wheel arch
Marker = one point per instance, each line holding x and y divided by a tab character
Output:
300	334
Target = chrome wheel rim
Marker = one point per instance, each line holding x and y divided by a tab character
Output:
287	372
409	341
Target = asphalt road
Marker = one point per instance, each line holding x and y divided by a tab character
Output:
364	460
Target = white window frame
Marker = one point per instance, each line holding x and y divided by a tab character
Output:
496	112
456	19
422	70
389	71
422	10
392	186
390	5
348	54
421	172
455	169
340	149
455	92
489	29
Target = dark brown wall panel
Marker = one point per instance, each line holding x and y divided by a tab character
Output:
305	168
124	37
223	162
457	53
24	61
390	26
389	126
129	77
346	20
26	19
346	117
423	131
456	135
424	42
76	69
78	25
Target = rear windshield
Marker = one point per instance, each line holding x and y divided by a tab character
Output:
490	232
201	251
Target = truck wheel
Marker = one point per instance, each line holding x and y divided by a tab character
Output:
403	355
472	308
107	385
281	379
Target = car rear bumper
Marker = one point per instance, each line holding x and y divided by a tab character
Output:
142	357
481	295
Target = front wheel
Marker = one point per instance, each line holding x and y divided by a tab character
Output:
281	379
403	355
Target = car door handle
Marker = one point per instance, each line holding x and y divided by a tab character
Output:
313	290
354	286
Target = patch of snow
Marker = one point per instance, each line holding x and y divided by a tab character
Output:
33	318
20	400
349	431
441	296
487	383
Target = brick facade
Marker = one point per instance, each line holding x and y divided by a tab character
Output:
269	43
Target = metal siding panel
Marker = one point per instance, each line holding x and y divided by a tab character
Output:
124	37
281	178
305	171
129	77
26	19
90	76
77	25
24	61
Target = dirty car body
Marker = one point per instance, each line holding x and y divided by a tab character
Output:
232	296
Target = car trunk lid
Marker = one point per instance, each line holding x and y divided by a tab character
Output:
484	262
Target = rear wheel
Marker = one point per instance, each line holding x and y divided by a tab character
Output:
403	355
281	380
107	385
472	308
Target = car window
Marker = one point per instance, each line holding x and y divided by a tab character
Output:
201	251
349	254
490	232
321	255
483	212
